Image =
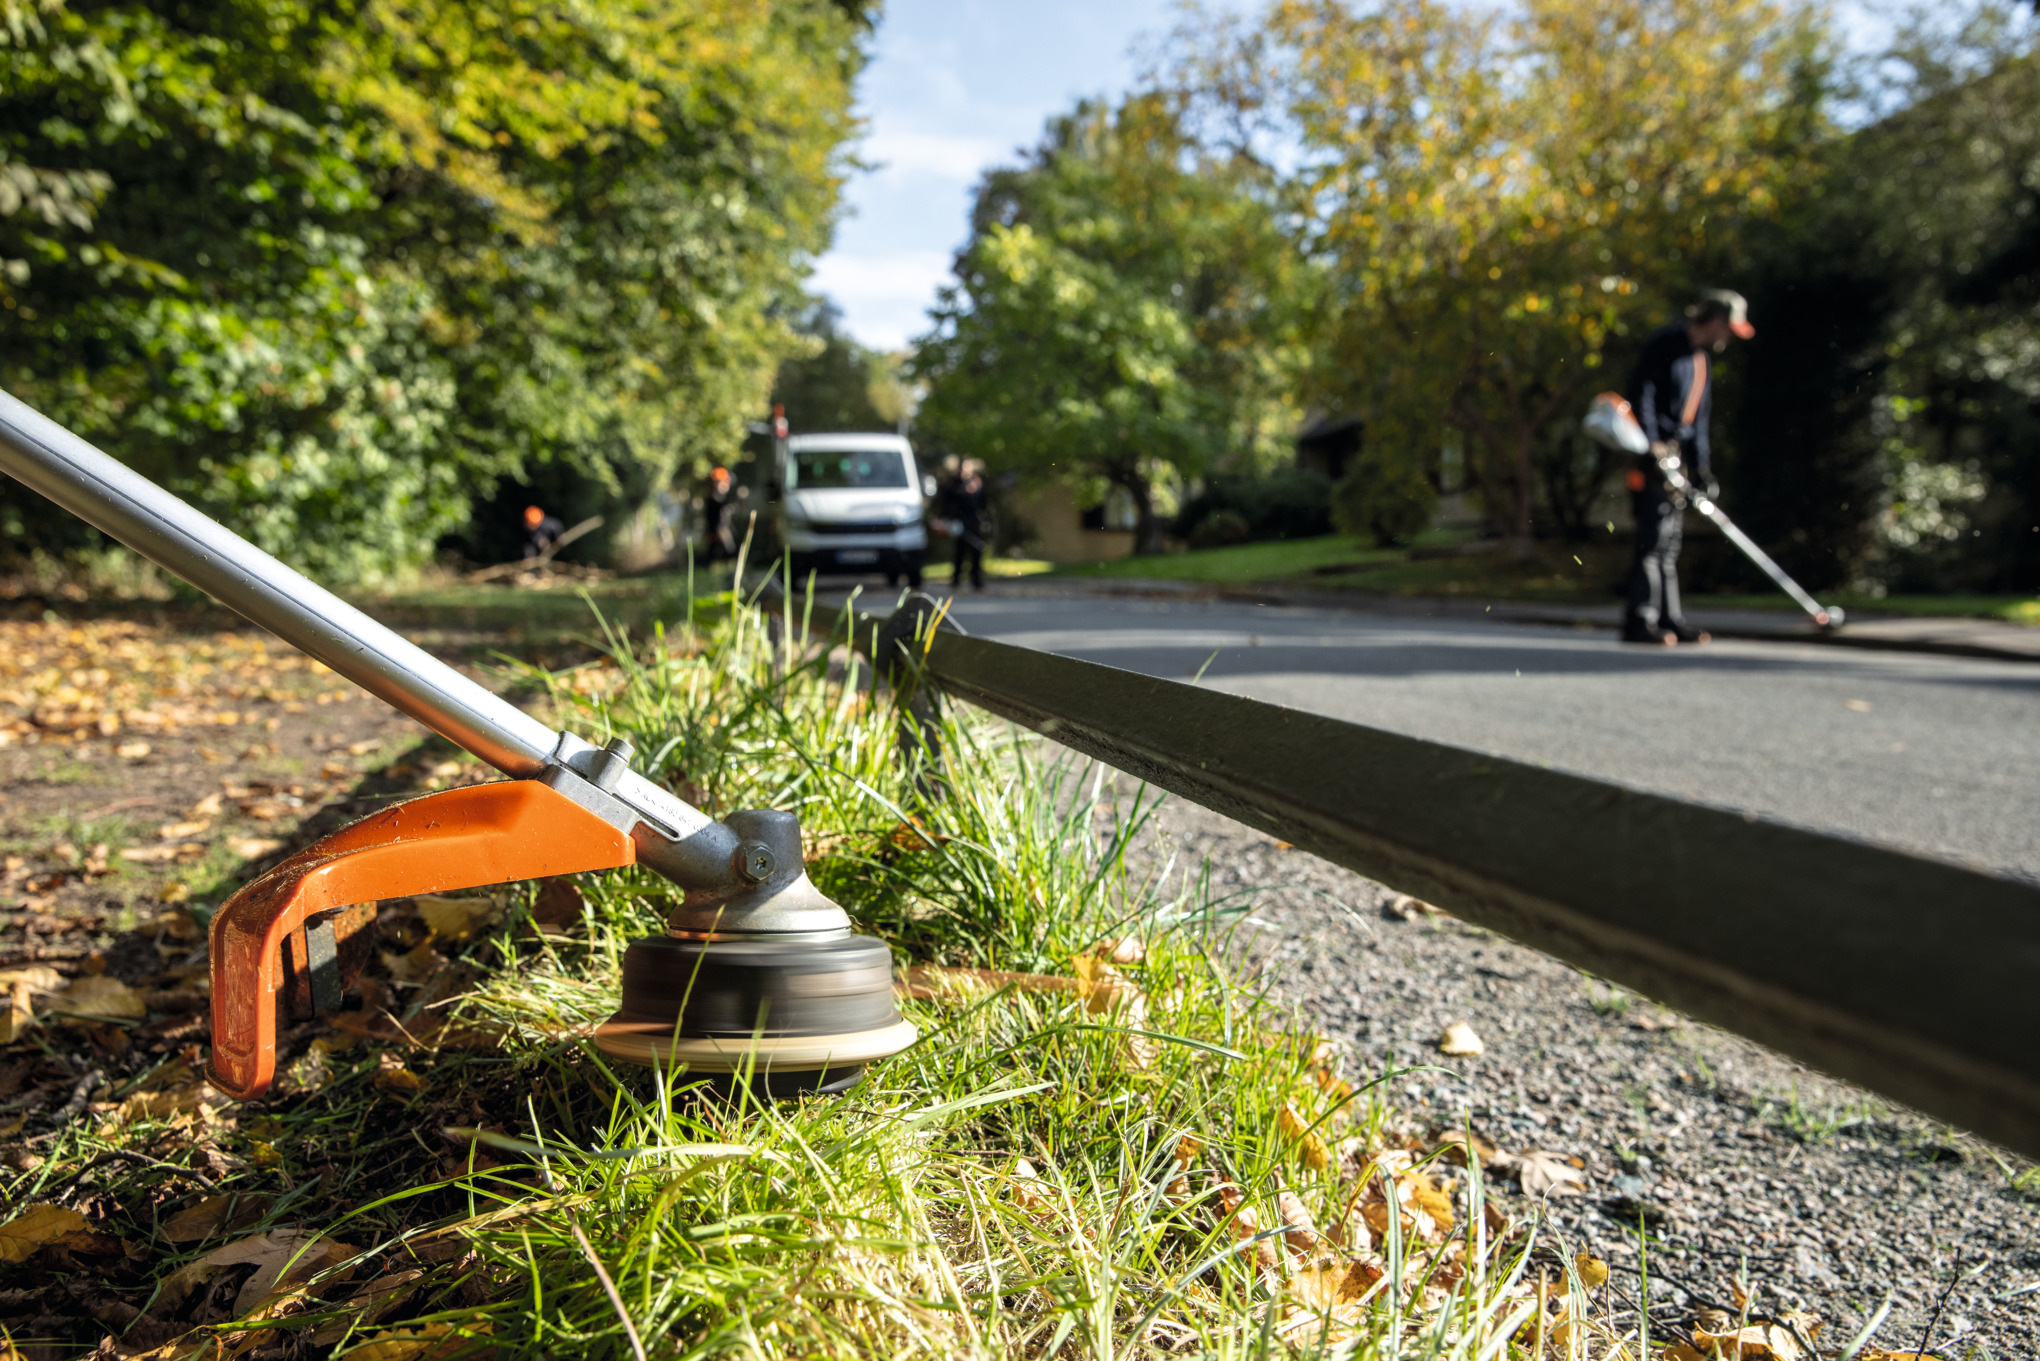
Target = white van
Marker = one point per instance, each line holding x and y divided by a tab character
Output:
852	503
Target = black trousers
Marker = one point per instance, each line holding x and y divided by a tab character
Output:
968	550
1654	571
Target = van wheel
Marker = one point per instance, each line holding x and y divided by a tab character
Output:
893	579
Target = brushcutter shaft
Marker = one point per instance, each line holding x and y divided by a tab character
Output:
106	493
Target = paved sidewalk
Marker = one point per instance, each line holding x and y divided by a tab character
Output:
1897	633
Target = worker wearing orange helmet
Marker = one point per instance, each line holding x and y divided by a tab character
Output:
715	514
541	531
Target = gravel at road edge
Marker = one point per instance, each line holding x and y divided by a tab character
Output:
1818	1194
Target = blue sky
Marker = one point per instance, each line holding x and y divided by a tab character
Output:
955	87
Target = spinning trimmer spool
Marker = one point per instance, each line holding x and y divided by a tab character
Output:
759	980
767	984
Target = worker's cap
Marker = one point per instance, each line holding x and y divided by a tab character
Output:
1727	302
533	516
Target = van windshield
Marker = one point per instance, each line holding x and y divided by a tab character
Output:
849	468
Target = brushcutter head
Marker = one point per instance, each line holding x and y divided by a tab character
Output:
783	1014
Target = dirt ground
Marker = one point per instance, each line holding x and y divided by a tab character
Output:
149	765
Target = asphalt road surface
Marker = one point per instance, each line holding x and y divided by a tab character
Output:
1939	755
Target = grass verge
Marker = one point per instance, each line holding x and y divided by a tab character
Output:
1109	1141
1448	565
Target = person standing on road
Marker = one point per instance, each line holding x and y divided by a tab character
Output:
968	509
1671	394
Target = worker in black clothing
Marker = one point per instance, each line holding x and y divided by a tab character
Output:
967	507
1671	393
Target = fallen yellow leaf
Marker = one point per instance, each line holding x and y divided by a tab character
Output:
1460	1039
1309	1146
39	978
213	1216
102	998
132	751
282	1258
254	847
1592	1270
25	1234
1543	1173
177	831
457	918
19	1016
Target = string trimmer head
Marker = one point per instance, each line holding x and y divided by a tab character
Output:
760	978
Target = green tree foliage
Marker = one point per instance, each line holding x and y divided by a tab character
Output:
1498	196
331	271
1124	312
839	384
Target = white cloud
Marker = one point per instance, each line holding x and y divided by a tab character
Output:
884	295
941	155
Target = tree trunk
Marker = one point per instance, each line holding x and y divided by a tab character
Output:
1147	530
1523	486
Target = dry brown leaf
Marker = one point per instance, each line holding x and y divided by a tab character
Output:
418	965
1309	1146
1593	1272
24	1235
207	808
39	978
102	999
254	847
150	855
178	831
1336	1288
1300	1231
1462	1149
458	918
1121	950
18	1017
1459	1039
1245	1225
364	747
1544	1173
132	751
171	1101
1101	986
283	1259
213	1216
1759	1341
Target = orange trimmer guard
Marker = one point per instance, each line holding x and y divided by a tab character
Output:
461	838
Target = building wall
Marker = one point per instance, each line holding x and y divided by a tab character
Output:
1059	536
